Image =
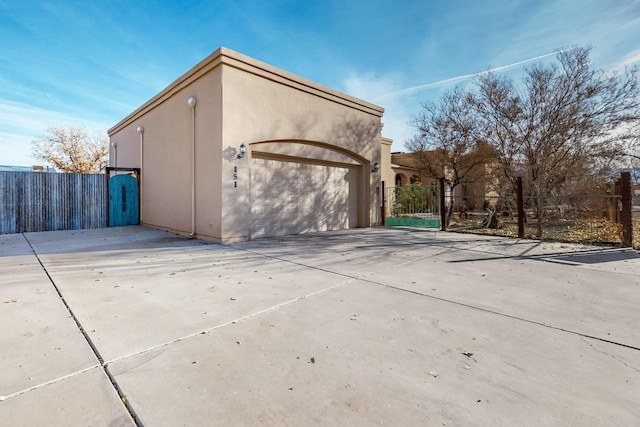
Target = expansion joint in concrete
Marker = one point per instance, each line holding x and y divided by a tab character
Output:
397	288
101	363
510	316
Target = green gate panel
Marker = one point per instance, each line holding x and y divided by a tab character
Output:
412	222
413	206
123	201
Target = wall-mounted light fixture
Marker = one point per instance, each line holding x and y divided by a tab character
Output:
242	152
375	168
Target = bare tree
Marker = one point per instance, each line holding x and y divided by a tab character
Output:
561	124
72	150
446	144
632	152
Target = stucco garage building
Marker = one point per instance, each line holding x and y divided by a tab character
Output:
236	149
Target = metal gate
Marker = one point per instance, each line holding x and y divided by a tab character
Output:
413	206
123	200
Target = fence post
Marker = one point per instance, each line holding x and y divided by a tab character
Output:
443	207
627	229
107	173
520	205
383	213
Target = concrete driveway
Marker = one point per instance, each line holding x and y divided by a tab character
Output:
130	325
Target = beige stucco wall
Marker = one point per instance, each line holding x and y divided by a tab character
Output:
386	171
257	109
241	100
166	183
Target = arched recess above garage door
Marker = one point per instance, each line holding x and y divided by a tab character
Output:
306	186
309	150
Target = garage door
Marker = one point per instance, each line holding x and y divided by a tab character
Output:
292	197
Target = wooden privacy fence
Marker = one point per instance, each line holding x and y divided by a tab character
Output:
35	201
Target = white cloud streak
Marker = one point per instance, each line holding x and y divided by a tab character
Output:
630	59
25	118
420	88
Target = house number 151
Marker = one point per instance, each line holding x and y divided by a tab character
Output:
235	177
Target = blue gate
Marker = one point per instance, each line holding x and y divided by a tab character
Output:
123	200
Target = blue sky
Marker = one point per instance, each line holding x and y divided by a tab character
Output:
90	63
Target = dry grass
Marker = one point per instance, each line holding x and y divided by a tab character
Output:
588	231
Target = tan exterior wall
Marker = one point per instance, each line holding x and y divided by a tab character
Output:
242	101
386	172
256	110
166	176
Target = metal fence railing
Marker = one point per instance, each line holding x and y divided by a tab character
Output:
605	218
413	206
570	218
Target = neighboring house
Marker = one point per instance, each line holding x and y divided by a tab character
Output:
406	170
236	149
5	168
